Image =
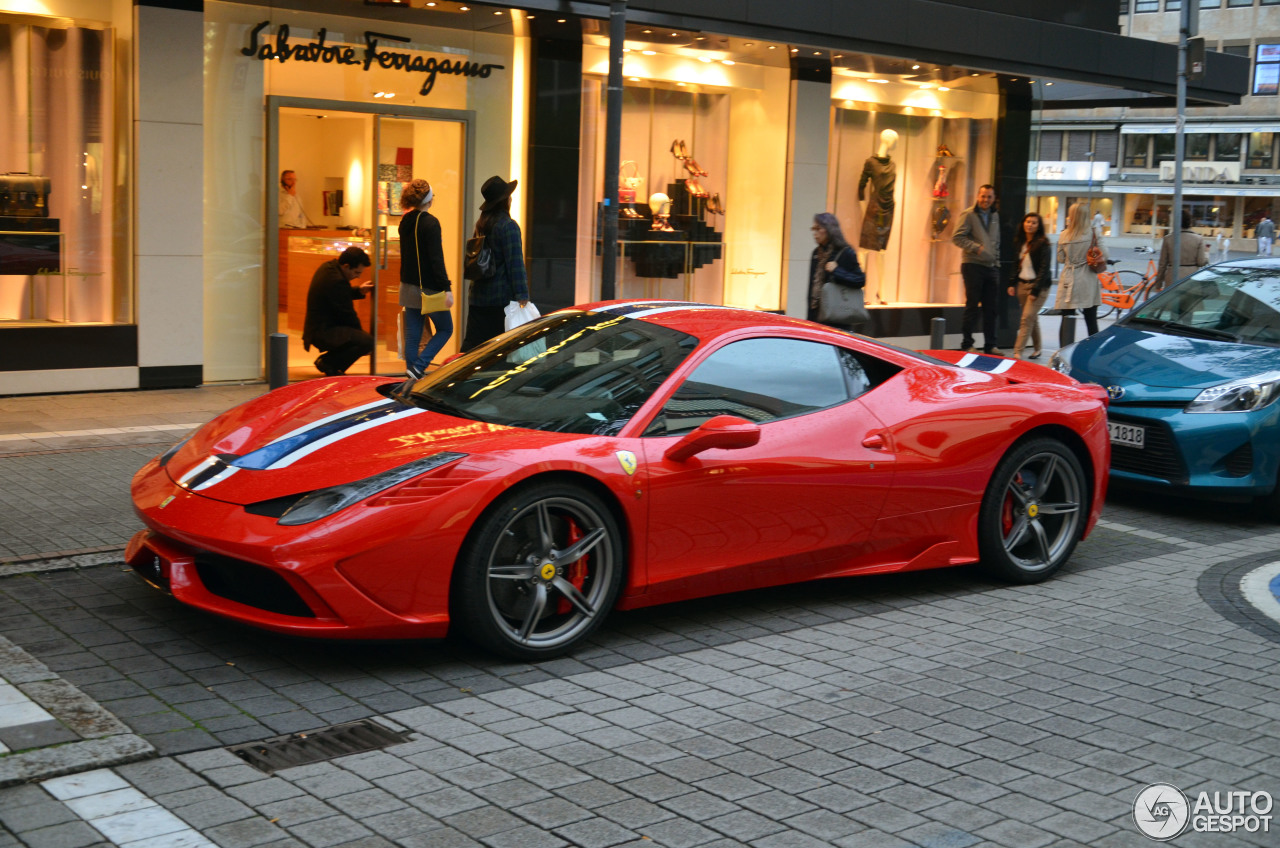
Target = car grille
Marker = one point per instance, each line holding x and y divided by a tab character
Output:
1159	457
250	584
1239	463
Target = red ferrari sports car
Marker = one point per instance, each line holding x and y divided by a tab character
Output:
617	455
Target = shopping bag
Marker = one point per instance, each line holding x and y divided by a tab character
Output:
517	314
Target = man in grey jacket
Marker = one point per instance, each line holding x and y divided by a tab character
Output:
1265	232
977	233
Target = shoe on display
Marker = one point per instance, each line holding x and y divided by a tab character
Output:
691	185
677	148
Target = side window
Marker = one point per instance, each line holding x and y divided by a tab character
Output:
762	380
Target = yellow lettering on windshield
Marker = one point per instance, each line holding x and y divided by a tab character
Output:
523	366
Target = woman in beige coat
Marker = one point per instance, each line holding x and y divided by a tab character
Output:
1078	287
1193	255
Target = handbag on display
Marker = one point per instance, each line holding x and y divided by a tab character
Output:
479	264
629	184
1094	258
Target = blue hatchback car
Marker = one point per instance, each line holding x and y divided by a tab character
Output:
1194	376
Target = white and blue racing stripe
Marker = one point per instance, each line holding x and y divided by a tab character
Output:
291	447
981	362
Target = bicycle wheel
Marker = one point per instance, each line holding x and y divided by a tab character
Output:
1130	283
1148	291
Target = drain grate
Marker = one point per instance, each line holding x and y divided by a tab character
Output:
299	749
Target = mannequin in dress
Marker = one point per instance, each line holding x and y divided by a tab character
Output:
877	221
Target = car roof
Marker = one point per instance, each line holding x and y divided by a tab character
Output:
699	319
1262	265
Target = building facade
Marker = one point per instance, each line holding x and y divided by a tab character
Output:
1120	159
140	238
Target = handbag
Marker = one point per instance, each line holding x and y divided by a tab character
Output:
479	264
842	304
1094	258
436	301
630	184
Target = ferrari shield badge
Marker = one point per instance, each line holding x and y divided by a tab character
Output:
164	503
628	461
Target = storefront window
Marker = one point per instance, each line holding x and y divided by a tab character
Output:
1260	150
440	107
703	176
1137	151
932	142
1255	209
1210	216
60	261
1227	147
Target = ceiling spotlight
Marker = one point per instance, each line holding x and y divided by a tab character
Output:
773	47
497	13
466	9
838	56
647	31
795	49
704	59
817	52
1048	83
674	34
559	20
915	67
731	62
634	79
749	44
648	52
943	88
700	38
879	81
432	3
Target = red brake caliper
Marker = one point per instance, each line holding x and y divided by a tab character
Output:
576	573
1006	515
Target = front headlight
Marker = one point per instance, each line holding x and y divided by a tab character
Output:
1061	361
1244	395
324	502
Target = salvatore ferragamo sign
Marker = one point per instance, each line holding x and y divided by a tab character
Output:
281	50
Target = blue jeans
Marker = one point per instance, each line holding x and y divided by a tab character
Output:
414	322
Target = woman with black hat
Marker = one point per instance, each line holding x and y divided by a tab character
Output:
489	298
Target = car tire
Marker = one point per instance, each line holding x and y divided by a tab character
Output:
540	572
1033	511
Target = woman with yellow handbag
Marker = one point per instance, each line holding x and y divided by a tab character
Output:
425	290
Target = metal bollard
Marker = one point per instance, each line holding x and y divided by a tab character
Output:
937	333
277	360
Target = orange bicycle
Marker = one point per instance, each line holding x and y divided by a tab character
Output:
1122	290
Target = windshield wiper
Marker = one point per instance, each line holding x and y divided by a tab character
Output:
1189	329
426	401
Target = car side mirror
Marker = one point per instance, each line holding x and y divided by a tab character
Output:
727	432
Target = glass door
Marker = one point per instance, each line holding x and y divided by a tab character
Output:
340	177
409	149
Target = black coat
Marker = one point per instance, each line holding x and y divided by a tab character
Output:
421	230
847	260
330	303
1041	258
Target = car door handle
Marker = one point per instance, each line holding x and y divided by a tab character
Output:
875	442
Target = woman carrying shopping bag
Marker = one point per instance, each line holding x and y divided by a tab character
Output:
506	279
422	272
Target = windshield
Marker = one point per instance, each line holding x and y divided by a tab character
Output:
571	372
1231	303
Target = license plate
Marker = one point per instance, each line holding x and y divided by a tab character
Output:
1129	435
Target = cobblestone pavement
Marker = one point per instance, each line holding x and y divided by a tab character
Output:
930	709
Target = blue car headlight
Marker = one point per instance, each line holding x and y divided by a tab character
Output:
1244	395
1061	361
325	502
